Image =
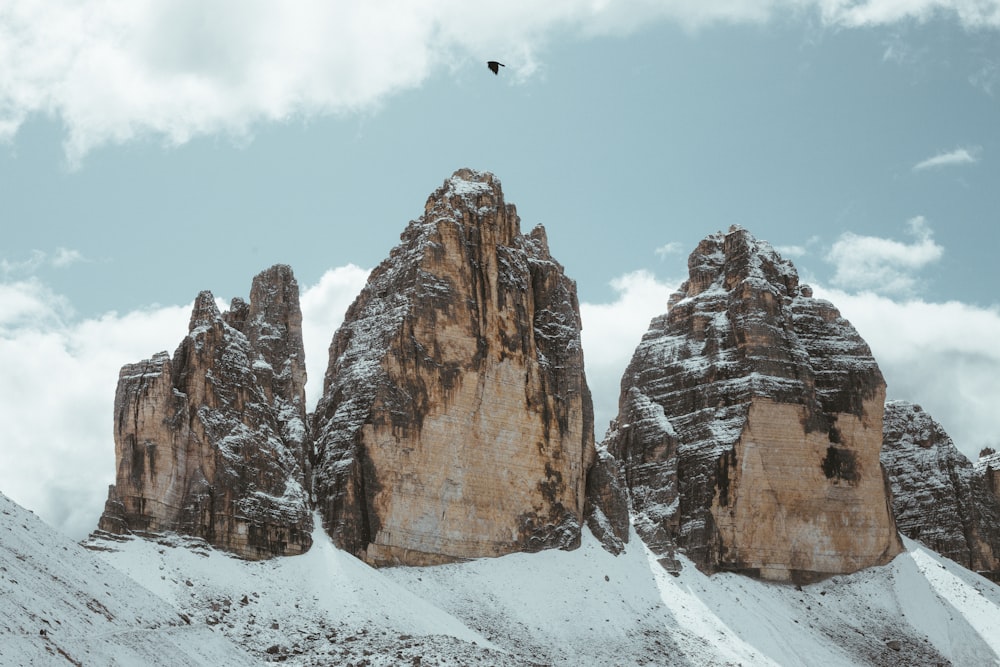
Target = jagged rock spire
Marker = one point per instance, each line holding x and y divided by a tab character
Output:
213	442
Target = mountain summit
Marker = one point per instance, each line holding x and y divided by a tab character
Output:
456	421
213	442
750	424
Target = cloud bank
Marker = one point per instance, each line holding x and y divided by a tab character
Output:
57	398
116	70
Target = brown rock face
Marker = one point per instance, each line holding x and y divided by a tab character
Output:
750	423
213	443
989	467
607	507
455	420
939	497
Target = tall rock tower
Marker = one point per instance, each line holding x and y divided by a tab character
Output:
214	442
455	420
750	423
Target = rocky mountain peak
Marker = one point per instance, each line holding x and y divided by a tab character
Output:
214	442
205	312
476	197
724	260
750	424
455	420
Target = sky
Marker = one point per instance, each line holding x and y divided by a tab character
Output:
153	149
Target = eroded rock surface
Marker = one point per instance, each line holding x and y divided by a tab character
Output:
750	424
988	466
213	442
939	497
455	420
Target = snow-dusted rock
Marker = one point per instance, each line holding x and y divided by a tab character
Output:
988	466
213	443
750	423
455	420
939	497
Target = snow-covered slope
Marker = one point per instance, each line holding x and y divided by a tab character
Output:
324	607
583	607
183	602
588	607
61	604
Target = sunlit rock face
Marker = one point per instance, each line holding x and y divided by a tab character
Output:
939	497
455	420
750	424
214	442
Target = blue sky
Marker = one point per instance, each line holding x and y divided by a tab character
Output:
151	150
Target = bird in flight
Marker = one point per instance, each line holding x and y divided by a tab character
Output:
494	66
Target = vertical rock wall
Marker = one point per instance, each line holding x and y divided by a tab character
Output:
939	498
455	420
213	443
750	423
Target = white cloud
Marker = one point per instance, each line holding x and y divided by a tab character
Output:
57	396
323	308
611	332
958	156
116	70
855	13
791	251
65	257
987	77
880	265
941	355
23	267
37	259
672	248
899	51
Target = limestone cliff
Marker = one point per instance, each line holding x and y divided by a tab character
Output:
213	442
939	498
988	466
750	423
455	420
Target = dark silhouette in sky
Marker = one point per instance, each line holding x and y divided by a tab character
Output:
494	66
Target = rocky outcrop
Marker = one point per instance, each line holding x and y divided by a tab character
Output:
750	423
607	506
214	442
455	420
939	498
988	466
